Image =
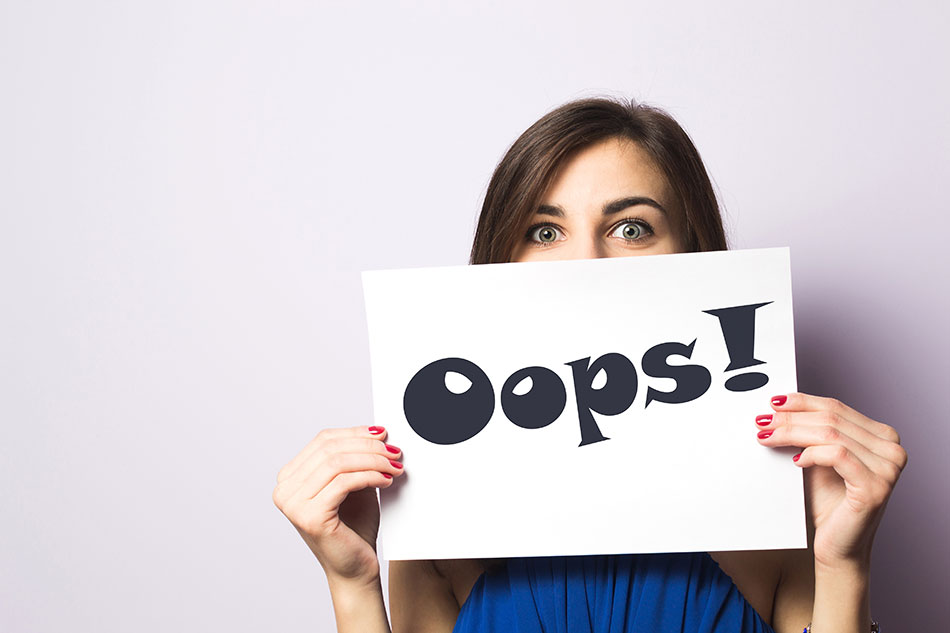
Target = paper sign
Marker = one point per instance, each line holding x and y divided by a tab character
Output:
594	406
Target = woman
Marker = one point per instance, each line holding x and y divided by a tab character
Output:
602	178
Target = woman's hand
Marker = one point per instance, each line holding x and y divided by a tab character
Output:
851	466
328	493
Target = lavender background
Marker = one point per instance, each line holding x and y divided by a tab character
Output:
188	191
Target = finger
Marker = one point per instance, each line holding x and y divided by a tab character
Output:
804	436
334	493
327	470
797	401
324	436
882	448
332	449
871	489
339	463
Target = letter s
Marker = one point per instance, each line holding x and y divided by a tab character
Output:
692	381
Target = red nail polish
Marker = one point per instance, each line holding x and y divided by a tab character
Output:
392	449
395	464
779	400
795	459
387	476
763	420
376	430
764	435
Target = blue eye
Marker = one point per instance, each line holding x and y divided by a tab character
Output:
543	233
632	230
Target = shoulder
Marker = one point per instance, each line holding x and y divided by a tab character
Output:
426	595
776	583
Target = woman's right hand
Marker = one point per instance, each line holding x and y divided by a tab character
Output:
328	493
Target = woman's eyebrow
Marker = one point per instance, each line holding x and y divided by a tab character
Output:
615	206
632	201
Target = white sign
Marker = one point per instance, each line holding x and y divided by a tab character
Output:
594	406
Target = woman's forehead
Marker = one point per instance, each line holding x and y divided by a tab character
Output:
606	170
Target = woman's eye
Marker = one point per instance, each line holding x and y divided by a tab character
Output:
631	230
544	234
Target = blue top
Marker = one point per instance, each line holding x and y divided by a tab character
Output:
609	594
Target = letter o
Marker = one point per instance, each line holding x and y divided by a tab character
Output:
440	416
539	407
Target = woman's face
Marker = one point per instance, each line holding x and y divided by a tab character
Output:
608	200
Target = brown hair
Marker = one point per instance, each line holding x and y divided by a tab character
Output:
530	164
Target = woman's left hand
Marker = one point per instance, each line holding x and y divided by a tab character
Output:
851	465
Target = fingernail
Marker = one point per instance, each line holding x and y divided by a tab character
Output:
376	430
764	434
763	420
387	476
392	449
395	464
795	459
779	400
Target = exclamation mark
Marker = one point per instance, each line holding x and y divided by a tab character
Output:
738	329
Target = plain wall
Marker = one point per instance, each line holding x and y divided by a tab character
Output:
188	191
